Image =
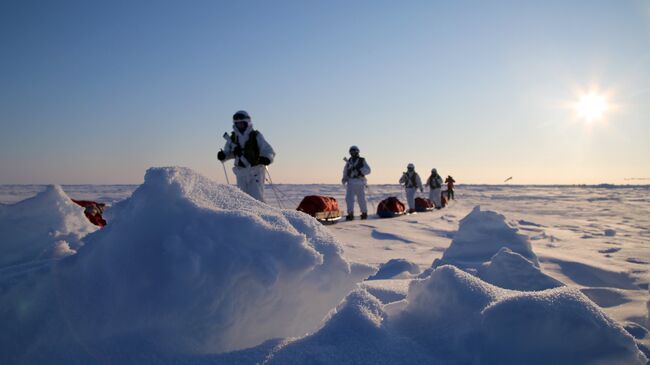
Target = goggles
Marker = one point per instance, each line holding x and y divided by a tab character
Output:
240	117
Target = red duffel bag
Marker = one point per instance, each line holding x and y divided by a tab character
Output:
320	207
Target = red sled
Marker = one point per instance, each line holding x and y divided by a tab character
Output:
93	211
423	205
324	208
390	207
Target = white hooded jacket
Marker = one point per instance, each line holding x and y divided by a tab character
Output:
240	161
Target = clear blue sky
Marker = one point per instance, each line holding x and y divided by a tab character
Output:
98	91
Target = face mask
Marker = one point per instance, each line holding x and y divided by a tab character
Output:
241	126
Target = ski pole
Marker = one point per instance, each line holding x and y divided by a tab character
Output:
225	136
268	173
275	192
224	170
374	209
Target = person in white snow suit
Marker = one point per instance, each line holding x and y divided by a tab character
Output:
411	181
354	177
252	153
434	182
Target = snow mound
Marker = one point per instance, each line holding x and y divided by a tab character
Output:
453	317
354	334
48	225
194	266
510	270
395	269
481	234
387	291
462	319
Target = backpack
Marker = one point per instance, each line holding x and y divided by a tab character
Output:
350	170
250	150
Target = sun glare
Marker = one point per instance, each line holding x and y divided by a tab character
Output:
591	106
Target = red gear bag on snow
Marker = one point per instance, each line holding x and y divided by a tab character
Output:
93	211
423	204
320	207
390	207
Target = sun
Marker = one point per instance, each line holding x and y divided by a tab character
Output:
591	106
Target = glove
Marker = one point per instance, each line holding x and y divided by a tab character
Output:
221	156
264	161
237	151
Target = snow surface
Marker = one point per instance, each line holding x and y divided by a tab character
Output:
452	317
137	295
190	266
395	268
481	235
511	270
48	225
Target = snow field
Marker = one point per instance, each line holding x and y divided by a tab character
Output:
188	270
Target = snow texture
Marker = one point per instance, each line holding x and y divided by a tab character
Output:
452	317
396	268
481	234
48	225
187	264
188	268
511	270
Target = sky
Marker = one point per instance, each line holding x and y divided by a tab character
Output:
96	92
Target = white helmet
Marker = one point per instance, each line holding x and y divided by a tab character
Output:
241	115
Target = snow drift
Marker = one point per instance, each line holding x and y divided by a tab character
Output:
511	270
452	317
396	268
481	234
190	265
48	225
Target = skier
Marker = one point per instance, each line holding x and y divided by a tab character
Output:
434	182
450	187
354	177
411	181
252	153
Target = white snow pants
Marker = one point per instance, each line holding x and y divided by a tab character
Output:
356	187
434	195
251	180
410	197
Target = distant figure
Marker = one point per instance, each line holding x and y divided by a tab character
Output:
434	182
354	177
450	187
251	153
411	181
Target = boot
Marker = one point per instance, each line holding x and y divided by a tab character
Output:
364	215
411	211
349	217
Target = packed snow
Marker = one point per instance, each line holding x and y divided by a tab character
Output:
48	225
191	271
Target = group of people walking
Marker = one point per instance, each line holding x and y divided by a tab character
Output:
252	153
354	177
